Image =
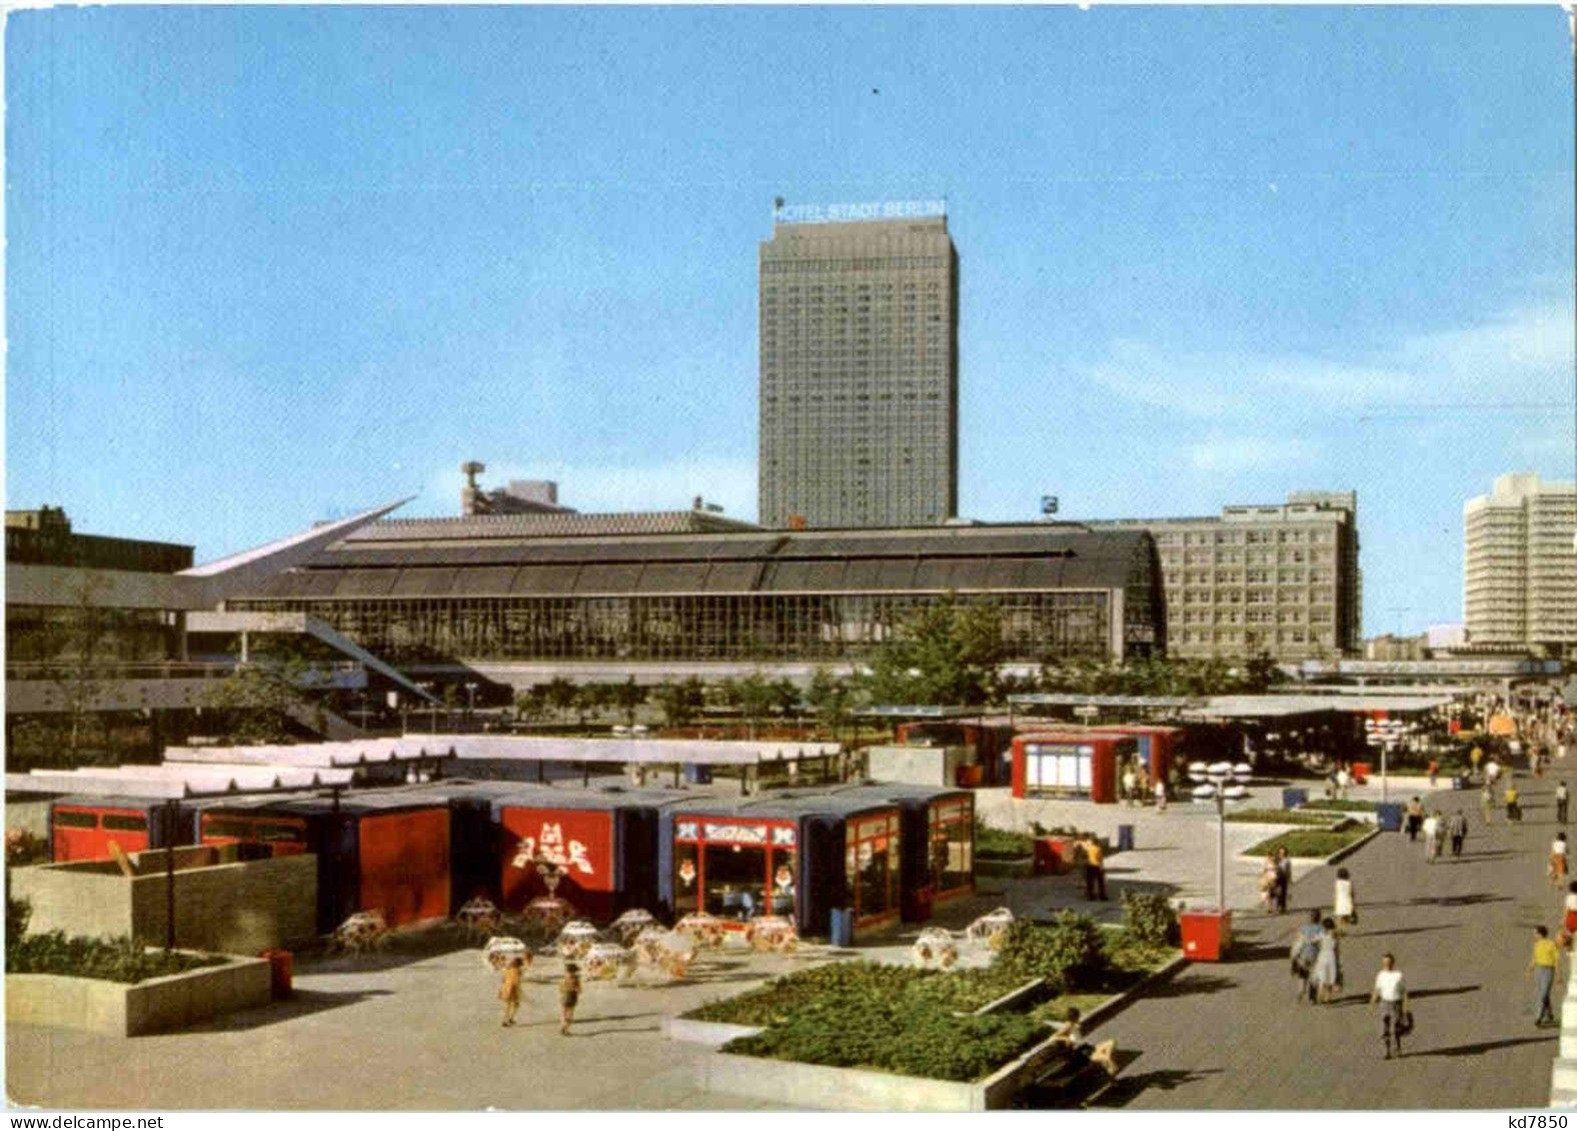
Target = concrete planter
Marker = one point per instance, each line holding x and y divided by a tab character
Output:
1012	997
714	1034
156	1005
856	1089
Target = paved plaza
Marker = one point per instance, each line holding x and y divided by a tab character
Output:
419	1030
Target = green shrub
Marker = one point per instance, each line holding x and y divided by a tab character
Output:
112	960
1279	817
1331	805
1313	844
897	1037
18	913
1151	919
1001	844
1068	954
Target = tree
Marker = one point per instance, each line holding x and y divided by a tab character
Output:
257	703
680	702
559	693
755	698
944	653
627	697
831	700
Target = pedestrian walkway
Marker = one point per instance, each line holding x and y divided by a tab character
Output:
1233	1036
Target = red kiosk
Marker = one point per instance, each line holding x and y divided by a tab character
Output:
1070	762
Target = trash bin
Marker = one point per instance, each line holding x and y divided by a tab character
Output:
280	964
1360	772
1458	782
697	775
1124	838
1293	798
842	926
1207	935
1388	815
969	777
1048	857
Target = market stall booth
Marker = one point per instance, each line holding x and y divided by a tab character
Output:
83	828
1159	748
987	745
599	845
1070	763
938	843
799	855
385	851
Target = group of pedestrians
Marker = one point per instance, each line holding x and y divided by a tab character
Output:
509	992
1275	881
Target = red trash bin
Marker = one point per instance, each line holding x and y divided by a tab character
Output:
1207	935
1360	772
280	963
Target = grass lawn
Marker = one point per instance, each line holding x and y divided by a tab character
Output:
1310	842
1280	817
1330	805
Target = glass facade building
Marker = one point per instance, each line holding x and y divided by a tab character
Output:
786	596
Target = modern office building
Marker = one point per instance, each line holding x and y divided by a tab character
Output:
523	609
1520	565
859	369
1281	578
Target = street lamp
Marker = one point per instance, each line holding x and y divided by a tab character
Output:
470	700
1220	782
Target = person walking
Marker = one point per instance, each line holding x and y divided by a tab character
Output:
1569	920
1432	836
1327	973
1415	818
1269	878
1558	861
1456	829
1474	758
1543	968
1160	794
1492	771
1094	868
1513	801
1343	780
1344	909
1283	879
1390	990
569	996
1434	773
1486	802
509	989
1305	950
1562	802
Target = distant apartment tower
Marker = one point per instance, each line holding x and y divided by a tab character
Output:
859	368
1281	579
1520	564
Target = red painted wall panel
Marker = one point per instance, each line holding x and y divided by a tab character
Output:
579	840
71	843
405	865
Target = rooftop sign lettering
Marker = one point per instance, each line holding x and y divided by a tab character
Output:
876	210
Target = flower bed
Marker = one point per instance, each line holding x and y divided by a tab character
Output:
1309	843
919	1022
1330	805
1280	817
109	960
1000	844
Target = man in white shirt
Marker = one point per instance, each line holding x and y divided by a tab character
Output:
1390	990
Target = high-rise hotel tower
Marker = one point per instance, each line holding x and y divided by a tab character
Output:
859	367
1520	565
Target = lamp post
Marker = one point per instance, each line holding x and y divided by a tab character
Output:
470	702
1220	782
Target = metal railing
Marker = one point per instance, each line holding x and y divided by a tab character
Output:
55	671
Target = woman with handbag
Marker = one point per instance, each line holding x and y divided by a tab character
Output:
1390	990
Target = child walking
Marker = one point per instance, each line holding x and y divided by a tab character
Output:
569	996
509	991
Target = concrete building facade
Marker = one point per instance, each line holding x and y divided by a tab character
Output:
1280	578
859	373
1520	564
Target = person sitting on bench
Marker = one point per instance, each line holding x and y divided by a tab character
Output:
1071	1033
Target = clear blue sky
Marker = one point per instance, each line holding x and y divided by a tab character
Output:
269	265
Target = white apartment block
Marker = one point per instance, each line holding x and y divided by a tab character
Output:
1281	579
1520	564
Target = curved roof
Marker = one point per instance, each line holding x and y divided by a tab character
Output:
963	559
